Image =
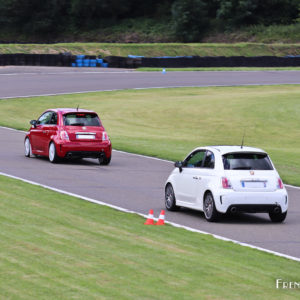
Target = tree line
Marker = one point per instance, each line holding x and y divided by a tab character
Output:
189	19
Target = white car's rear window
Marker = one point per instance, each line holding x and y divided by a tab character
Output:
246	161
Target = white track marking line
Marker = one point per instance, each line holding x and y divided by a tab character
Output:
145	216
292	186
146	88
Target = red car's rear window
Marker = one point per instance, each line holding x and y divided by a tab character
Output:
81	119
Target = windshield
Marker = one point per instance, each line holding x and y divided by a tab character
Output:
81	119
246	161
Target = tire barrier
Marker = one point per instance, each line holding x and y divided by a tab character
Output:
124	62
20	59
61	60
220	61
132	62
196	61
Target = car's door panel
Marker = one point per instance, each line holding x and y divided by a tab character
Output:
39	133
49	130
206	176
35	136
187	182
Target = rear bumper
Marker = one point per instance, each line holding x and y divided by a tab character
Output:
251	201
84	149
253	208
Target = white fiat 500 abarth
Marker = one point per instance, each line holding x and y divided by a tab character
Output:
227	179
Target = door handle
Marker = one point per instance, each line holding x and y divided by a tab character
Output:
46	131
195	177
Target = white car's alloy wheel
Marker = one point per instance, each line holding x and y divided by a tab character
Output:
170	199
209	208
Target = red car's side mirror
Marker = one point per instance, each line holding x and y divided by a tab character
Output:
33	123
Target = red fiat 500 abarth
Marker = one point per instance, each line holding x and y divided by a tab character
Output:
66	133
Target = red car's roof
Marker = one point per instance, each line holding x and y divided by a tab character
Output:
70	110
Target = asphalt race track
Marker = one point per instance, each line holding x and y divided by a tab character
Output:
132	181
30	81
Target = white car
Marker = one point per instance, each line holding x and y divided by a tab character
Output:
227	179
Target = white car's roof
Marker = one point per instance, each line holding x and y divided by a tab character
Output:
230	149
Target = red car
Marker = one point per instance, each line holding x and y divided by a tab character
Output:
66	133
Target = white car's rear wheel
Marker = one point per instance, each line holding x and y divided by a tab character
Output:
277	217
209	208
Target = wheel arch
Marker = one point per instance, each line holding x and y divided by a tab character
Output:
207	192
169	182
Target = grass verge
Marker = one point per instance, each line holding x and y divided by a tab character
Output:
157	49
55	246
168	123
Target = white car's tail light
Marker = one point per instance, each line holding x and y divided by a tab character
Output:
104	136
226	183
64	135
279	184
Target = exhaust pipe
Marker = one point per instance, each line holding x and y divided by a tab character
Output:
233	210
276	210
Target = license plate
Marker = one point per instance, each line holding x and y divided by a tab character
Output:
254	184
85	136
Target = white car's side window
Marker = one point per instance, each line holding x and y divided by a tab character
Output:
195	160
209	162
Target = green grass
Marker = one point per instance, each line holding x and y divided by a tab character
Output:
258	34
275	33
168	123
55	246
219	69
157	49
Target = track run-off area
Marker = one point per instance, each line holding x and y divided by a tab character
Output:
131	181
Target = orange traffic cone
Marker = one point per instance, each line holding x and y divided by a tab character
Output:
150	220
161	219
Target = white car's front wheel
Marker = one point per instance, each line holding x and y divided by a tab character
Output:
27	146
170	199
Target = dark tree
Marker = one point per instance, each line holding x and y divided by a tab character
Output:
190	19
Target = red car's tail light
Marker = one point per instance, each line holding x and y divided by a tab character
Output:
104	136
226	183
279	184
64	135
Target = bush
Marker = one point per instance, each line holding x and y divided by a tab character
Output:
190	19
235	13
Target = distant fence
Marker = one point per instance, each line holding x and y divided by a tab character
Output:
67	59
